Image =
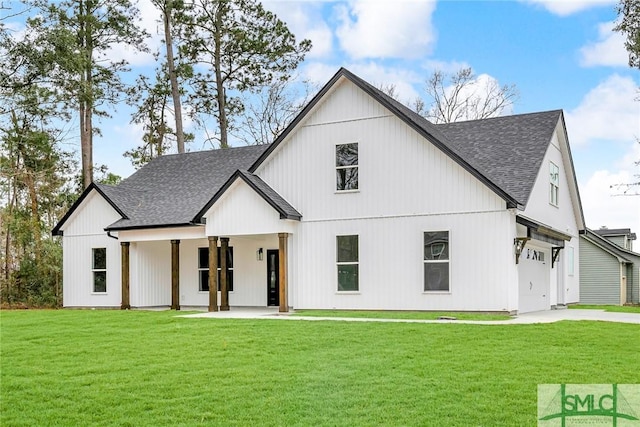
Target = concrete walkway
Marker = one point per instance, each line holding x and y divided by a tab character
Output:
526	318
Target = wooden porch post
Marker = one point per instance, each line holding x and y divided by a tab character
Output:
282	257
124	251
175	274
213	273
224	271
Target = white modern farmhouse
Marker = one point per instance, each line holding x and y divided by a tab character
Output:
360	204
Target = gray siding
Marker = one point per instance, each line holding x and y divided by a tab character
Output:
618	240
599	275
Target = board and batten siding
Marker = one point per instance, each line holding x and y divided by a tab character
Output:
420	179
422	189
600	275
82	232
561	217
391	268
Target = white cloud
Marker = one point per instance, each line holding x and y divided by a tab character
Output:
608	112
601	200
151	21
568	7
305	20
447	67
385	29
609	50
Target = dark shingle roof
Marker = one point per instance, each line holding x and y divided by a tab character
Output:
172	189
609	232
508	150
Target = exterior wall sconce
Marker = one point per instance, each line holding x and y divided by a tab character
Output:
260	254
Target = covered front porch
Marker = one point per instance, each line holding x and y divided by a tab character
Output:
183	268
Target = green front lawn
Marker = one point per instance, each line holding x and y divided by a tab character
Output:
133	368
412	315
615	308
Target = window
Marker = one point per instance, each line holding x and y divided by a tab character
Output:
436	261
203	269
570	261
554	183
347	167
347	260
99	269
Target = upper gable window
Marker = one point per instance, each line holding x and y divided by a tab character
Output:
347	166
554	183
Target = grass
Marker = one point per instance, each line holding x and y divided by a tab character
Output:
134	368
413	315
614	308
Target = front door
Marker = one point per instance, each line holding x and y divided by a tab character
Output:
273	278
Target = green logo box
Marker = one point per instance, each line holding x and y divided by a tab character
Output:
568	405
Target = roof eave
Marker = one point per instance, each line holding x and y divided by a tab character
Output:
56	231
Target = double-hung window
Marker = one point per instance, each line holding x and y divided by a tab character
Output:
554	183
347	261
436	261
347	166
203	269
99	269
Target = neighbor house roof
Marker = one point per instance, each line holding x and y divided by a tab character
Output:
610	232
608	246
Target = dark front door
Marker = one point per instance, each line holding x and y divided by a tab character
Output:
273	278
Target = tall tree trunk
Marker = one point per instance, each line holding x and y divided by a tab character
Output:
220	94
175	93
86	97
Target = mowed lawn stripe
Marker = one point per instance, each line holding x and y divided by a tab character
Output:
84	367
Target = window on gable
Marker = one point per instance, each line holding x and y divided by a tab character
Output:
436	261
203	269
347	166
347	261
99	269
554	183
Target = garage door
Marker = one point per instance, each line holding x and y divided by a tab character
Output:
534	276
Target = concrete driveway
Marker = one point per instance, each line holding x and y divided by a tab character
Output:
549	316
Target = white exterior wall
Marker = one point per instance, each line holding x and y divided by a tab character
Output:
255	216
150	274
419	180
83	231
421	190
561	217
391	273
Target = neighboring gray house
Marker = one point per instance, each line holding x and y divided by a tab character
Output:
609	270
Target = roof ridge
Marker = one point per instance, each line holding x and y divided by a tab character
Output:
519	115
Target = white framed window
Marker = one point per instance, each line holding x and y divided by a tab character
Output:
347	167
203	269
571	269
554	183
436	261
99	269
347	260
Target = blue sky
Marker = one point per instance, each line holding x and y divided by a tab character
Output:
561	54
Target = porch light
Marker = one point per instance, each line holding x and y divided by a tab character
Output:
260	254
